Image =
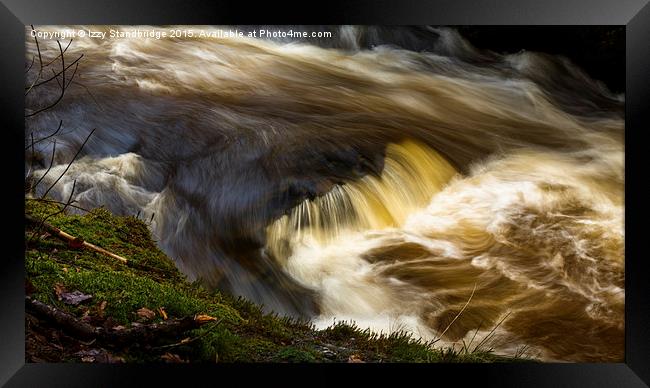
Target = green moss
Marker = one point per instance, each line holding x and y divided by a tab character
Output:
244	333
291	354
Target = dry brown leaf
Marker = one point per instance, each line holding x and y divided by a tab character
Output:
76	243
65	269
146	313
172	358
355	359
162	312
111	359
102	307
204	318
59	289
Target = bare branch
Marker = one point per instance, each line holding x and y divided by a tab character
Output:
55	75
58	56
63	89
31	161
69	164
31	64
40	60
59	203
42	223
46	137
48	169
484	340
458	315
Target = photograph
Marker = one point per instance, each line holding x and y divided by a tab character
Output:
324	194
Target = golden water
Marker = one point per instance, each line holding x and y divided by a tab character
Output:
444	192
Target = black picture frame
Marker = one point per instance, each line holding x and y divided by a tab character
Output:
634	14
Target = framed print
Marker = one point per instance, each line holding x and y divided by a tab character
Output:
424	188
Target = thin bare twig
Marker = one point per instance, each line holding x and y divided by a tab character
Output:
474	336
58	56
56	75
31	64
58	203
62	86
186	341
62	210
48	136
69	164
40	61
457	315
31	161
56	78
48	169
492	331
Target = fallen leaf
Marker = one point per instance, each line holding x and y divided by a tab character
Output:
111	359
355	359
65	269
102	307
78	270
162	312
59	289
172	358
76	243
146	313
204	318
88	359
74	297
118	327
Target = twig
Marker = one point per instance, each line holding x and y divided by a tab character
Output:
63	81
62	210
58	202
457	315
48	169
474	336
48	136
72	240
69	164
137	333
492	331
31	64
57	57
40	61
56	75
186	341
31	161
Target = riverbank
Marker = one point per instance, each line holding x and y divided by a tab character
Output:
147	292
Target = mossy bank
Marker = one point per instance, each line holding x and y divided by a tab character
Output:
149	289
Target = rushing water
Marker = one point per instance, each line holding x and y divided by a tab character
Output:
396	177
